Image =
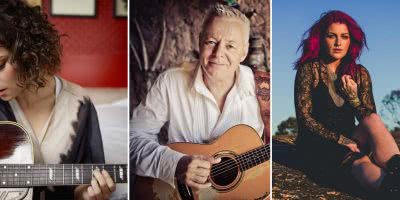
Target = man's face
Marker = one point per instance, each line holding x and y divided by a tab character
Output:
223	47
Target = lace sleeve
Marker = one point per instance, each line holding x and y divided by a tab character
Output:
365	95
303	103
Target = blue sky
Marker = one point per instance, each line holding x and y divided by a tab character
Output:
290	19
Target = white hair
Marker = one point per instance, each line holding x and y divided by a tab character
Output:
220	10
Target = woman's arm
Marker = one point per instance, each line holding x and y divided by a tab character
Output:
91	151
359	95
367	103
303	104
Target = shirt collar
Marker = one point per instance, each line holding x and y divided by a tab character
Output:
243	82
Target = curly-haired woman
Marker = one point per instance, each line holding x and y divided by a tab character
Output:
331	90
62	122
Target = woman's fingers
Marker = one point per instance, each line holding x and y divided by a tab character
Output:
350	81
102	185
96	189
349	86
344	81
353	147
109	181
88	194
345	86
91	194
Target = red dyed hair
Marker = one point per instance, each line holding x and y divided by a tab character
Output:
311	46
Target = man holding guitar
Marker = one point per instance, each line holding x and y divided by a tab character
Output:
200	101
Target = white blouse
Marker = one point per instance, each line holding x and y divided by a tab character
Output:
56	137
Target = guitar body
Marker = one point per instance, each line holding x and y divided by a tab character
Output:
16	147
19	174
253	183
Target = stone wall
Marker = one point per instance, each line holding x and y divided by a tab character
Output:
183	19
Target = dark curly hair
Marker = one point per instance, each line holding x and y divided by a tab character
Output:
32	41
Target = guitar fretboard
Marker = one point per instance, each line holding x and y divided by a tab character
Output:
25	175
254	157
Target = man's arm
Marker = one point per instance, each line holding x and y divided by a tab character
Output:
147	155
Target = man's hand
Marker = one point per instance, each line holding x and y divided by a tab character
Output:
194	170
100	188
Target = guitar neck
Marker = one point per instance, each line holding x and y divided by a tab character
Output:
254	157
25	175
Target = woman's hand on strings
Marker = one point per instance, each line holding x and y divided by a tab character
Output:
100	187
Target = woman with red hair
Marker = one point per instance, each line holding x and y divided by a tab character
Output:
331	90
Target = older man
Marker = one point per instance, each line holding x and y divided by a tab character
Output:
199	100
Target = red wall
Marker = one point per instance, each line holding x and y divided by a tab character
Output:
95	49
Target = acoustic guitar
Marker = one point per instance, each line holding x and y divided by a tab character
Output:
18	173
243	173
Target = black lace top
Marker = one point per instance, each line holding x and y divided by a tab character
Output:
321	112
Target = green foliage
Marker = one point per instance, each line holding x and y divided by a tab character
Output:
230	2
395	129
391	103
288	126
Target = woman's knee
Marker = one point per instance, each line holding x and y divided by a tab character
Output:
372	121
359	166
372	118
362	161
366	172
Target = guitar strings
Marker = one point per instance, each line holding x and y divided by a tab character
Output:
39	174
42	182
224	169
45	177
58	177
241	158
245	155
47	167
37	171
252	152
219	169
58	168
241	165
214	174
60	165
58	180
46	170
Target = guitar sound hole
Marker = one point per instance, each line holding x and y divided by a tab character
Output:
225	172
